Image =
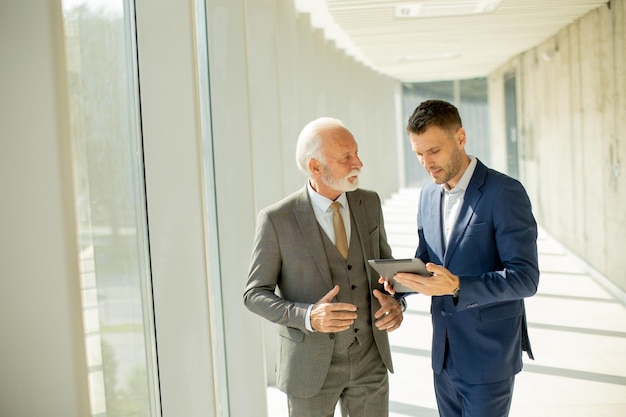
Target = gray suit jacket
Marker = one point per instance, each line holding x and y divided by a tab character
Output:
289	271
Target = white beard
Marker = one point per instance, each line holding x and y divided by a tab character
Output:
341	184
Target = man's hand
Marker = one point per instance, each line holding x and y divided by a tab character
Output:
329	317
389	316
387	285
442	282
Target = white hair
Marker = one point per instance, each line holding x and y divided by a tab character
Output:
309	144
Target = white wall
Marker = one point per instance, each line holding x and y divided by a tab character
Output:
572	115
42	351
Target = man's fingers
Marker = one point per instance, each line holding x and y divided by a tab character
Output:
415	282
388	287
334	321
327	316
389	322
379	295
339	307
329	295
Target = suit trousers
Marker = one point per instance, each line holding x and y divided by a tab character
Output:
457	398
357	379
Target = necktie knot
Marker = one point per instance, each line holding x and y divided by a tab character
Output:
341	239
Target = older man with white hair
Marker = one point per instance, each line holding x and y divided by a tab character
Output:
309	274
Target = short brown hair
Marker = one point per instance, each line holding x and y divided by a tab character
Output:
434	113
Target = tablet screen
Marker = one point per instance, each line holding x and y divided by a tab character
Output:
387	268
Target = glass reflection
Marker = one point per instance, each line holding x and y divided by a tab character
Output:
112	222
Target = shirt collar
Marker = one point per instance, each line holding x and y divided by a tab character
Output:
322	202
461	186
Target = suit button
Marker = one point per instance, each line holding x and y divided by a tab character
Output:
443	313
356	330
331	336
353	286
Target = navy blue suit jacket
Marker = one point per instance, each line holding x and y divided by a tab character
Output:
493	249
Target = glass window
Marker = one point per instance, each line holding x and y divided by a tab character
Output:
111	208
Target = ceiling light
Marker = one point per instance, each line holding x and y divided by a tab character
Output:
445	8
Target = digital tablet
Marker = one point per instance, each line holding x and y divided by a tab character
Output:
387	268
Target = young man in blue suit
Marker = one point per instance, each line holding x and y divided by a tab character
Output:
478	238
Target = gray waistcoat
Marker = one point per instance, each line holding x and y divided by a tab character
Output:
351	277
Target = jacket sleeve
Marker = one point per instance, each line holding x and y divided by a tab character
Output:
265	270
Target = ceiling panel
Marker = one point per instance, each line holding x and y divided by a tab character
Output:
443	48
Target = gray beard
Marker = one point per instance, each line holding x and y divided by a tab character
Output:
341	184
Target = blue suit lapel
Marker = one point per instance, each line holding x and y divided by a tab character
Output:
432	222
470	201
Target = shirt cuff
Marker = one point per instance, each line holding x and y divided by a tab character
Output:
307	319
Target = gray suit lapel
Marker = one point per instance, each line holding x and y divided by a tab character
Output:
305	217
358	213
357	210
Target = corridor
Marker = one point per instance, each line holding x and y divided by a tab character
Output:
577	330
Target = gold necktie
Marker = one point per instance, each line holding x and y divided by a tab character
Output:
341	240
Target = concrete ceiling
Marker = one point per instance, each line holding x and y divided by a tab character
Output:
395	38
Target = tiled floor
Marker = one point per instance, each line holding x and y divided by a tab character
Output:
577	329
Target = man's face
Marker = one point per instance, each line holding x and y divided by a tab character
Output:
440	153
342	164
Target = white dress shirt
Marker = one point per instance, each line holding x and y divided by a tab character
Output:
453	199
324	214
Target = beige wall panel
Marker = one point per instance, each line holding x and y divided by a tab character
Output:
289	90
286	40
615	37
556	63
336	96
266	139
549	146
593	140
173	170
305	60
264	103
496	117
235	199
529	176
572	115
43	361
320	73
381	112
569	190
577	156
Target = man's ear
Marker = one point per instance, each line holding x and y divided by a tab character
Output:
460	136
315	166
